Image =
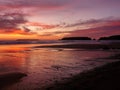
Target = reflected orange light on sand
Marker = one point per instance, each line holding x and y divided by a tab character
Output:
15	55
12	49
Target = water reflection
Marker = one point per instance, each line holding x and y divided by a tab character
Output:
12	58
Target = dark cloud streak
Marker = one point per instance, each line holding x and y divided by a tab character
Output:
11	20
94	22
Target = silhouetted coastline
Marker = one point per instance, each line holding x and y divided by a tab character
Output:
65	39
114	37
76	38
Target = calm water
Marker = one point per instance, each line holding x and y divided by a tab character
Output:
45	66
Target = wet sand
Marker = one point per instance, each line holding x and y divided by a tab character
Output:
84	46
106	77
103	78
10	78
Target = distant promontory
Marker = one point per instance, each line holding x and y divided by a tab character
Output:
76	38
114	37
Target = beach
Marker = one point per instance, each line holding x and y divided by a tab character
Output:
61	66
9	78
85	46
105	77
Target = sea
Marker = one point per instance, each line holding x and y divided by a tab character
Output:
46	66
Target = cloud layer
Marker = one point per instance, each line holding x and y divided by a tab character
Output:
60	18
11	20
97	28
41	4
11	23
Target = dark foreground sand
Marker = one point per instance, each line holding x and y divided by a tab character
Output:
106	77
10	78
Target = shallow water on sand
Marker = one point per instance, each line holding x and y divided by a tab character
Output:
45	66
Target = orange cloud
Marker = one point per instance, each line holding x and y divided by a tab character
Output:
22	32
10	23
14	36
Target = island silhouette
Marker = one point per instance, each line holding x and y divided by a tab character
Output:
76	38
113	37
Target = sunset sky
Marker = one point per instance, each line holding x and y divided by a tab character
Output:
54	19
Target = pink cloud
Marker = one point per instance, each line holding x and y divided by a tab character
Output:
42	26
94	33
99	28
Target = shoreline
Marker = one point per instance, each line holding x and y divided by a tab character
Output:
84	46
